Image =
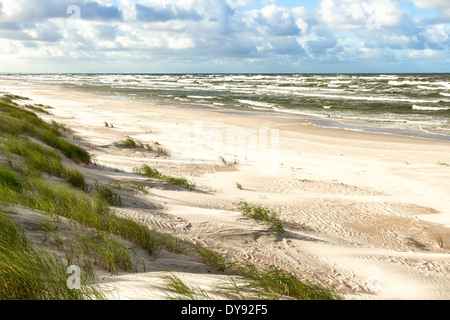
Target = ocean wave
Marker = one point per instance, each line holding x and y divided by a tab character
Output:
365	98
432	88
257	104
201	97
408	82
428	108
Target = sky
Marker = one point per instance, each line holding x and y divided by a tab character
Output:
224	36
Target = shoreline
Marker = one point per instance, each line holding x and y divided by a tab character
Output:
358	199
320	121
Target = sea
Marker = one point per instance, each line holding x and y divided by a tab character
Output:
415	105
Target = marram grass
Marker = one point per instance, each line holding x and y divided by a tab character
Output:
155	174
30	273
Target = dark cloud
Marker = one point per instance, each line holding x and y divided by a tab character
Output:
320	47
8	25
286	46
40	33
95	11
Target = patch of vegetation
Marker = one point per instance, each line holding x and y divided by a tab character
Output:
30	273
130	143
182	291
9	179
275	283
17	122
28	145
272	283
213	258
108	195
439	241
156	147
36	108
155	174
258	212
61	126
75	178
15	97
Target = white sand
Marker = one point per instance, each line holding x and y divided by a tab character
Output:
371	204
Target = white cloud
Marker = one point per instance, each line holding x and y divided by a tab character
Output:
352	15
181	43
442	6
119	33
437	34
431	4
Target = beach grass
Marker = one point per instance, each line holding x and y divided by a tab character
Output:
275	283
9	179
30	273
180	290
258	212
153	173
270	283
36	108
212	258
30	150
16	121
106	193
130	143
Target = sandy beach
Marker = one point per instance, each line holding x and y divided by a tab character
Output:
362	211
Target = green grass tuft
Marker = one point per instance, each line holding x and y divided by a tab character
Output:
75	178
108	195
29	273
179	290
258	212
130	143
155	174
9	179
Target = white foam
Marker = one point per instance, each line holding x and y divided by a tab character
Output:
201	97
428	108
257	104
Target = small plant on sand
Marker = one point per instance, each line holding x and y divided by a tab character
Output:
258	212
275	283
239	186
130	143
155	174
173	244
156	147
439	241
61	126
212	258
444	164
179	290
36	108
108	195
223	160
75	178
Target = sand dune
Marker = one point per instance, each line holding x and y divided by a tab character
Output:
362	211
